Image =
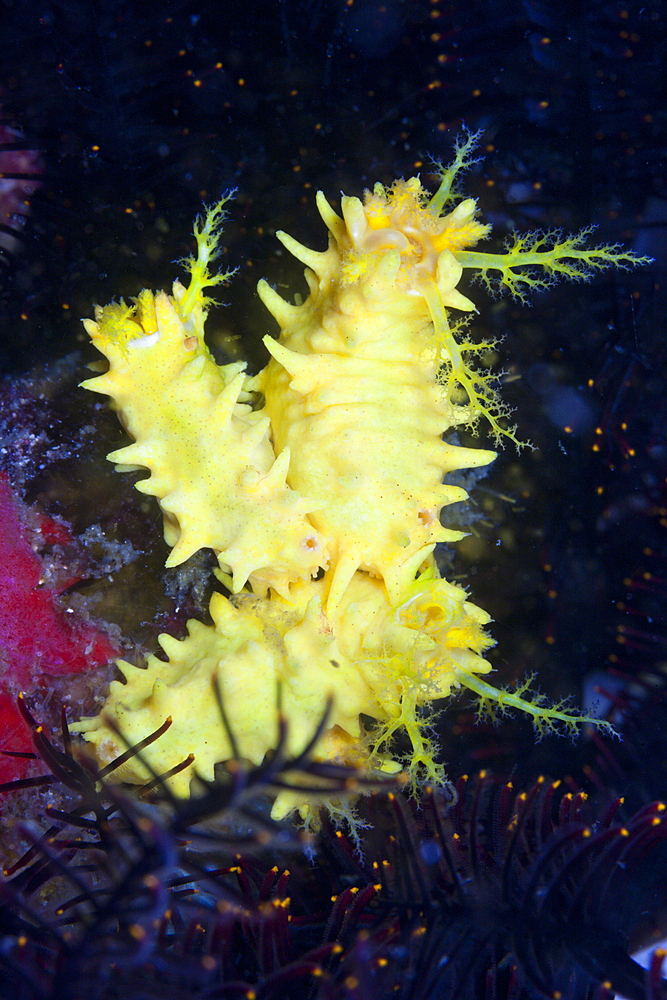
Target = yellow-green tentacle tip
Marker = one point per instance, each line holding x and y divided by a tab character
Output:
538	259
207	232
447	192
495	702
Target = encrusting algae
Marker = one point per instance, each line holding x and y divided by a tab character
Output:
318	485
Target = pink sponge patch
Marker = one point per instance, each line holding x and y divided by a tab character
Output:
39	637
15	736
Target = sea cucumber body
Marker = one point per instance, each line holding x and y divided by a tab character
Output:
318	484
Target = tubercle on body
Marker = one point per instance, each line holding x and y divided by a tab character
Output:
323	505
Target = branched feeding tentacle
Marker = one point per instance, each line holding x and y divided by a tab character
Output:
534	261
546	718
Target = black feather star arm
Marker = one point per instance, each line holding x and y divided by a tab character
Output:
502	895
154	896
486	893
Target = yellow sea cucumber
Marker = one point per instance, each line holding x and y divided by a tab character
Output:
318	484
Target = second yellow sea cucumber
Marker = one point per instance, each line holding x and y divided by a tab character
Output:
318	484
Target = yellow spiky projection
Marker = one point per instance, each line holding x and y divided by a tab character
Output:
324	504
